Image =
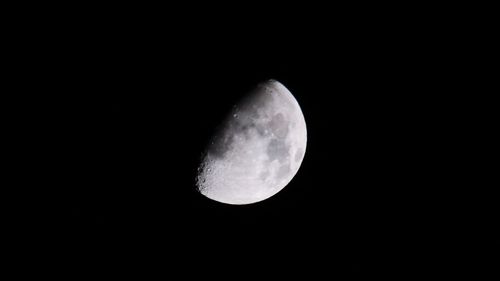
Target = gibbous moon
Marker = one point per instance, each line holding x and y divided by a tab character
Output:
257	150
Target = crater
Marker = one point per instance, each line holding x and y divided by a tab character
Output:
220	144
262	130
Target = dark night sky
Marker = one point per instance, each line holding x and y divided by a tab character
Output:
138	97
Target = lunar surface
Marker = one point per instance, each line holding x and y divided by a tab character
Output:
257	150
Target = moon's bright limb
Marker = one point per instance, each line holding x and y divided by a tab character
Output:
258	149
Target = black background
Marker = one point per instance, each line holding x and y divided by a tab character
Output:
135	94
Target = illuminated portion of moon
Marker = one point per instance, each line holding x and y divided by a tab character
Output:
257	150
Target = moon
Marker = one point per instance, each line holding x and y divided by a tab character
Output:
257	149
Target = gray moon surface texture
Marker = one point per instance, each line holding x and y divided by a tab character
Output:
257	150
